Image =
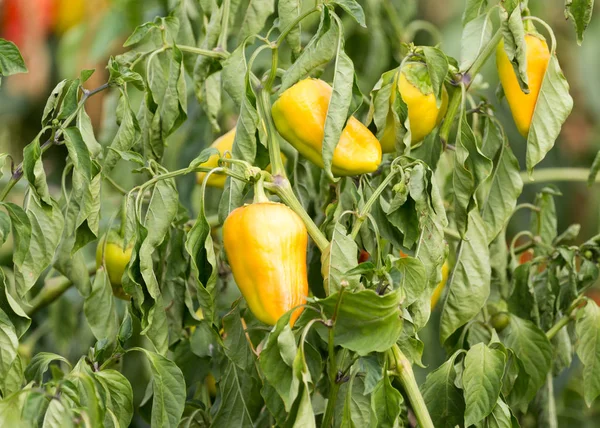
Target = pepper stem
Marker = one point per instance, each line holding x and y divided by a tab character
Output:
259	191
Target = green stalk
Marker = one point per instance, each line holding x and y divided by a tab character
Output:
557	174
264	103
224	25
362	215
295	22
282	188
571	312
404	373
53	289
333	370
204	52
456	96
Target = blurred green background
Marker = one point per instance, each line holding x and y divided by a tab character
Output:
87	35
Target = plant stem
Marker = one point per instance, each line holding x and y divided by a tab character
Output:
456	96
264	104
564	320
224	25
557	174
295	22
362	215
333	370
53	289
282	188
205	52
404	373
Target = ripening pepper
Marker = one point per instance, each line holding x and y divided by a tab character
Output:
522	105
69	13
265	243
223	144
439	289
299	115
416	91
116	258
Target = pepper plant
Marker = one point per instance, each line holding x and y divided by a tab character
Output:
328	330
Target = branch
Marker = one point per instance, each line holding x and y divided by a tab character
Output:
53	289
557	174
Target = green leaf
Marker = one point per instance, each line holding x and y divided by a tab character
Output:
12	308
354	9
339	105
580	12
319	51
8	347
234	74
338	259
126	136
257	13
544	222
33	170
168	390
54	101
164	204
199	245
514	45
523	302
357	406
240	401
11	61
366	322
473	9
444	400
288	11
437	67
588	349
277	359
498	194
552	108
140	32
533	349
476	35
414	278
500	417
84	124
482	380
46	223
58	415
469	287
39	365
471	169
99	308
386	403
119	395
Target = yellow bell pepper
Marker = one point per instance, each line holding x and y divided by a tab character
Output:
266	245
415	89
68	14
116	258
439	289
223	144
299	115
522	105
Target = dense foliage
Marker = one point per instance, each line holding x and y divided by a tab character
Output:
402	175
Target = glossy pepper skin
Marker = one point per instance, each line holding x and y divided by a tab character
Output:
116	259
439	289
299	115
423	113
223	144
522	105
266	244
